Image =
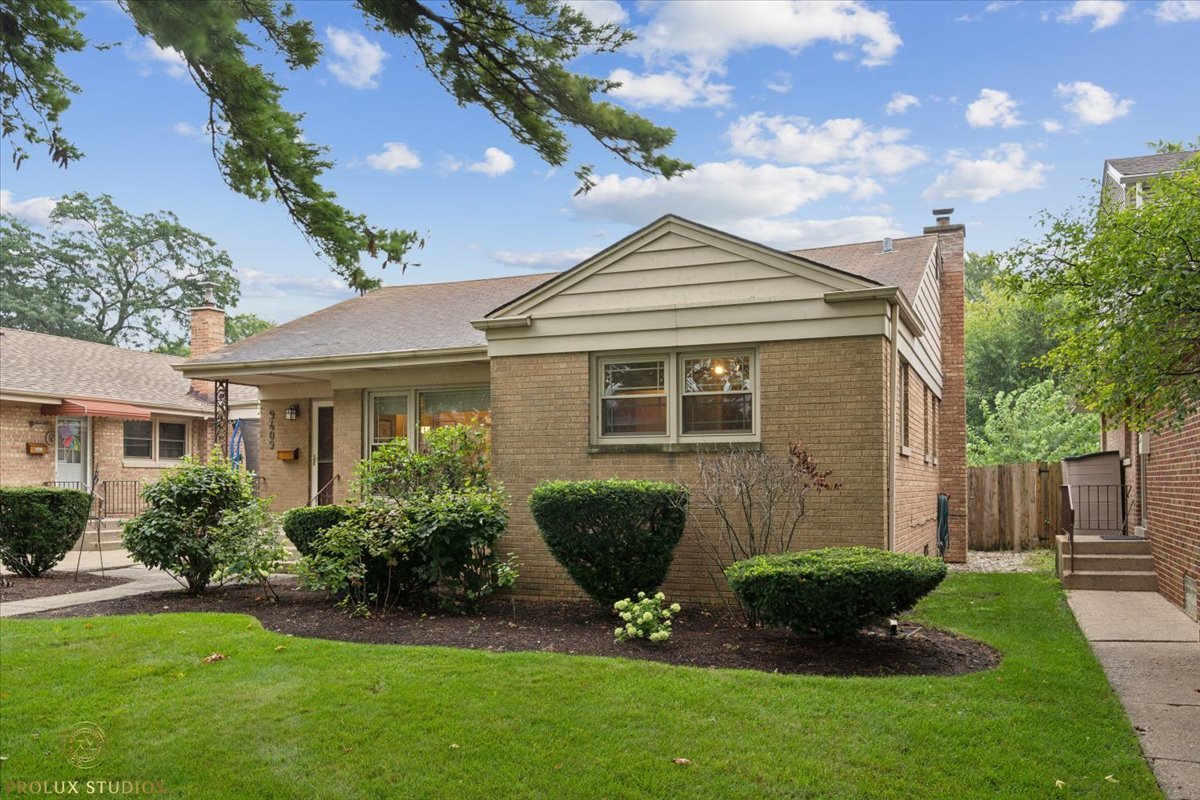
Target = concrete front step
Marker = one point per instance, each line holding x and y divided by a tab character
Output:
1110	562
1110	581
1095	546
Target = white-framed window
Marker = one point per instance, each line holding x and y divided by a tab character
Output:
411	413
155	439
904	428
700	395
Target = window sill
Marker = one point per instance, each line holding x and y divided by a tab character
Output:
671	447
139	464
906	451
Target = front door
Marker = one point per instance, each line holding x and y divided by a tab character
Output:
71	452
322	453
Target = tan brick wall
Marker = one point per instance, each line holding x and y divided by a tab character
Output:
17	468
287	482
952	432
828	394
916	475
207	336
347	439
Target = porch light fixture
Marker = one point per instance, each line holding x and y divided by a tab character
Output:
292	412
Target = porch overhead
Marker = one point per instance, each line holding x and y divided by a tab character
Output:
95	408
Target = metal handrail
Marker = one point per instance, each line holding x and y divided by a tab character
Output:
321	490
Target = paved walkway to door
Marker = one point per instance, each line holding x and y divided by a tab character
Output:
117	564
1150	651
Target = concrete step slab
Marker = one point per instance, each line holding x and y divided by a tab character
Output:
1111	562
1112	581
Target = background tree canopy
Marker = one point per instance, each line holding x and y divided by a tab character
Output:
106	275
508	57
1120	292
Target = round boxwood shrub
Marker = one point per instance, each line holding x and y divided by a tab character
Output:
832	593
39	525
301	525
613	537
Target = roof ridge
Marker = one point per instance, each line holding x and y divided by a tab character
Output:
465	280
860	244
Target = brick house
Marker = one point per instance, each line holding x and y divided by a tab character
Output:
73	412
1161	470
677	338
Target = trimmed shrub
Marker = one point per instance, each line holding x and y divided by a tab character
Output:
301	525
201	521
832	593
39	525
613	537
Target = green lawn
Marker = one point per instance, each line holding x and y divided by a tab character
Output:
325	719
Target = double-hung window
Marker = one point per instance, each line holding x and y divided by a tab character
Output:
155	440
683	396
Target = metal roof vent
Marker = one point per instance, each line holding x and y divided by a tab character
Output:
887	244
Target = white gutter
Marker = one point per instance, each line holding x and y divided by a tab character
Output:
218	370
502	322
893	385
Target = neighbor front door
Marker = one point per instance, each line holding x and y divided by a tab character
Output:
71	451
322	453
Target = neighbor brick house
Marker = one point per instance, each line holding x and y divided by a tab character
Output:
74	413
1161	469
678	338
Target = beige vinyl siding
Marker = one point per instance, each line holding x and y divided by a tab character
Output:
924	352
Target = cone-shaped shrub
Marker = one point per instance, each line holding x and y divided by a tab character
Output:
613	537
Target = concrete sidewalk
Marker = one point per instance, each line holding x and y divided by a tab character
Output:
1150	651
116	564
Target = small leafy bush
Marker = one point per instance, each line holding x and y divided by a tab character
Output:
301	525
427	523
613	537
39	525
204	522
832	593
645	618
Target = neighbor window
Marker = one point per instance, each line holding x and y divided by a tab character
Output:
156	439
937	404
685	396
904	405
390	414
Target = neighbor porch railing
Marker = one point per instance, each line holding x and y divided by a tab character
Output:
1093	507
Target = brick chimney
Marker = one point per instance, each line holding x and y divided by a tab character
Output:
952	417
207	334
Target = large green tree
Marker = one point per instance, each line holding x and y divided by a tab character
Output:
1124	287
1039	423
510	57
103	274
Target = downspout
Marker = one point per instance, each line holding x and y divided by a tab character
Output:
893	382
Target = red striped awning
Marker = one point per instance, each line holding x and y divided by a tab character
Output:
96	408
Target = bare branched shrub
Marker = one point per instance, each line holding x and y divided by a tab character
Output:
747	503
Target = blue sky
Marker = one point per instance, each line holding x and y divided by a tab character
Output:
810	124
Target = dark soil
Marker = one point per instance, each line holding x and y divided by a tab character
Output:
702	636
22	587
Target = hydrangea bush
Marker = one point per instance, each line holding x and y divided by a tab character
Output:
645	618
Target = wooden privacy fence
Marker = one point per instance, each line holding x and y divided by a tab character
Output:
1013	506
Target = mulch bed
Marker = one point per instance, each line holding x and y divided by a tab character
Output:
702	637
22	587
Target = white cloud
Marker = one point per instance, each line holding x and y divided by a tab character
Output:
794	234
256	283
34	211
900	103
707	31
544	259
844	144
670	89
1102	13
1000	170
395	155
357	62
189	131
1092	104
149	53
1051	125
779	82
993	108
600	12
716	193
1177	11
495	162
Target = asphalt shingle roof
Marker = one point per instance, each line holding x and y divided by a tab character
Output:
391	319
42	364
902	267
1152	164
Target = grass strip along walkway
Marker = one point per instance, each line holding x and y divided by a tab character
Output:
289	717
